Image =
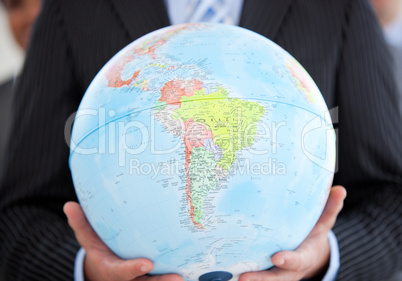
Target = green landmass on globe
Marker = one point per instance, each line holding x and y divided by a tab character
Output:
230	128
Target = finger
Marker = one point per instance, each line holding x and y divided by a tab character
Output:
165	277
334	204
136	268
290	260
129	269
84	233
275	274
310	257
332	208
115	268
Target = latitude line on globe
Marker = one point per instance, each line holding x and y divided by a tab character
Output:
149	108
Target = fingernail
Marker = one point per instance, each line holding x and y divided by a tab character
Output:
145	268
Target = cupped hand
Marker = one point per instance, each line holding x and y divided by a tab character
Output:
311	258
100	262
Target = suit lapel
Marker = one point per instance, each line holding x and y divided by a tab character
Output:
264	16
140	17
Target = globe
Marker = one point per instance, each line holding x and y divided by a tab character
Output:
205	148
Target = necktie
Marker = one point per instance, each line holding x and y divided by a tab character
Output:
208	11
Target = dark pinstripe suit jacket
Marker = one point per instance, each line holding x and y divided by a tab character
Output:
6	97
337	41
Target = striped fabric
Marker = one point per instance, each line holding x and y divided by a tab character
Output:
208	11
337	41
218	11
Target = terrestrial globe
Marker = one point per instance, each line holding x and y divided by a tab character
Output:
205	148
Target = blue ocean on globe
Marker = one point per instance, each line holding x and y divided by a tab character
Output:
204	148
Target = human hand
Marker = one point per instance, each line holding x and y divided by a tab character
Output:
311	258
100	262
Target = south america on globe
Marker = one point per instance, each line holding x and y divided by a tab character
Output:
205	148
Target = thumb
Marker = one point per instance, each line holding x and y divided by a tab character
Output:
332	209
84	233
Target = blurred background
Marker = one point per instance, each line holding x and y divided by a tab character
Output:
16	21
11	54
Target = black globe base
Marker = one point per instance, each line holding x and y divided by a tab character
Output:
216	276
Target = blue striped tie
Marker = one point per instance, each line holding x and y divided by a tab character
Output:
208	11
